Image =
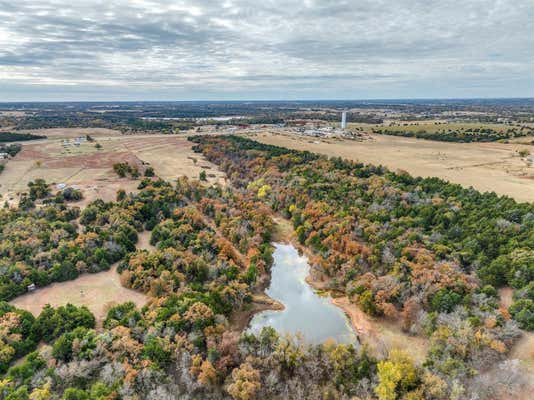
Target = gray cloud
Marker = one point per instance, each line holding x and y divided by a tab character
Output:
229	49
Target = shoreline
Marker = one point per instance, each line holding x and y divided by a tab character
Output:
379	334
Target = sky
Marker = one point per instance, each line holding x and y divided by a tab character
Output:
113	50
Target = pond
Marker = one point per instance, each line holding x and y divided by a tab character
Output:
306	312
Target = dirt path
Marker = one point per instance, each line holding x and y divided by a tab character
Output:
524	348
143	241
506	296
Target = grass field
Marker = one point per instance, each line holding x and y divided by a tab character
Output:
96	291
91	170
485	166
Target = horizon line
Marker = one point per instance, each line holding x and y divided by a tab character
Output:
270	100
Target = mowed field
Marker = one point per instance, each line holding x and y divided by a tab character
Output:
91	170
489	167
96	291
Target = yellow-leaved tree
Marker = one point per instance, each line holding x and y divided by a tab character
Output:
397	376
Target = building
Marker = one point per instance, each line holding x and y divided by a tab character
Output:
344	120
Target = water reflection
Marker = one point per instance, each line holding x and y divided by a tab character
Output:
315	317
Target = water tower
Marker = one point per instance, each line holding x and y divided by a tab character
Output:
344	120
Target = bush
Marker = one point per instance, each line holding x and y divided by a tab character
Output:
75	394
445	300
86	343
52	323
71	194
523	312
149	171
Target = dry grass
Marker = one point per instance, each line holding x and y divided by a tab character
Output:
144	241
485	166
91	170
96	291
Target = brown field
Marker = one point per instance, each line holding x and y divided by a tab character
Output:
96	291
485	166
91	170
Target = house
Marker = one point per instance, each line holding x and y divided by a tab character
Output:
4	156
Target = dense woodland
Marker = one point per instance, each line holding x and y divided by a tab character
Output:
428	252
18	137
461	135
420	250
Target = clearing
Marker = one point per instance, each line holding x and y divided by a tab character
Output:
96	291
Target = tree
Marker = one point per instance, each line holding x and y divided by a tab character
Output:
523	312
202	176
245	382
396	376
208	374
121	194
39	189
157	350
52	323
75	394
149	172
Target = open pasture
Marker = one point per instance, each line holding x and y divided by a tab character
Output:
90	169
97	291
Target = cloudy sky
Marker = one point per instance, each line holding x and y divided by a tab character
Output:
265	49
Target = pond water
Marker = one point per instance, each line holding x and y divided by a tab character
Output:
306	312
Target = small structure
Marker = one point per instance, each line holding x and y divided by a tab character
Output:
344	120
31	287
4	156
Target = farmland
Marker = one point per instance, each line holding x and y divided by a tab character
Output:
91	170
